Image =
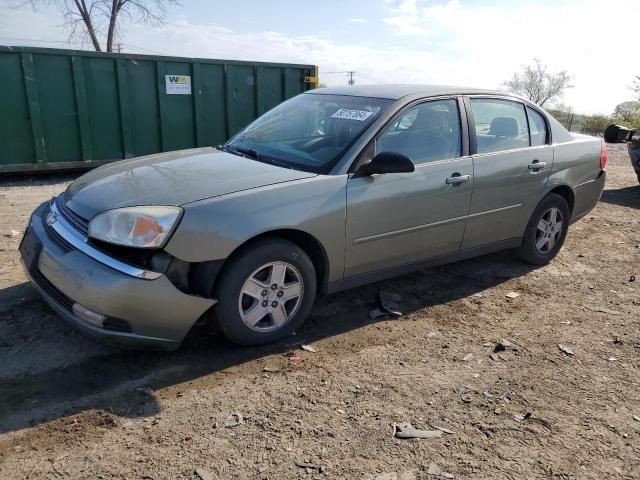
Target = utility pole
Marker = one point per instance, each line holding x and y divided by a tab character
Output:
349	73
119	47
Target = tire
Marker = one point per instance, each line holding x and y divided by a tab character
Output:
543	237
244	314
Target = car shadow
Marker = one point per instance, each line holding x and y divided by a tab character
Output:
123	381
625	197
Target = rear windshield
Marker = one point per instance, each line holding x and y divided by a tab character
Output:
309	132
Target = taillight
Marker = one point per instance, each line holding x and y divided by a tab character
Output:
603	155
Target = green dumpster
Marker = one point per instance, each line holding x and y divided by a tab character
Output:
70	109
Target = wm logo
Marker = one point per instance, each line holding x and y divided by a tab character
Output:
178	79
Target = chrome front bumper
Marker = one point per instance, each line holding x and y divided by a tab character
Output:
68	270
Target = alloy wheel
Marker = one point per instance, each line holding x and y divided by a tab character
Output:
549	230
271	296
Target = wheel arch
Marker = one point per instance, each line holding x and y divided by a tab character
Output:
307	242
566	192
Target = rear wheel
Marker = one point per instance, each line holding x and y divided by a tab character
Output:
546	231
265	292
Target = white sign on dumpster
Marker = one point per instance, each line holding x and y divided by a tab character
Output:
178	84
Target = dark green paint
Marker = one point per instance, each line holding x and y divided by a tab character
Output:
83	109
16	138
64	109
31	92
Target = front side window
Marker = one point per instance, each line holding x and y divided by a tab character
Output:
425	133
537	127
500	125
310	132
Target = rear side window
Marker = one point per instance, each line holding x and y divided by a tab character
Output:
500	125
427	132
537	127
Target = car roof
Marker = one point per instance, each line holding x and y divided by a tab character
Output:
395	92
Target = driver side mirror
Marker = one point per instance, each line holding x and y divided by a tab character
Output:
386	162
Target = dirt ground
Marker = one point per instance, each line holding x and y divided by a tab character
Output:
72	408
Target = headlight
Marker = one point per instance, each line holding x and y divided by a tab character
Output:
142	227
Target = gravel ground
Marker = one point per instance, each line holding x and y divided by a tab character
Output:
72	408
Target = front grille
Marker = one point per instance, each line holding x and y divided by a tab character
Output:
51	289
70	216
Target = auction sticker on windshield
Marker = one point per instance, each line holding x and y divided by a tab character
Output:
347	114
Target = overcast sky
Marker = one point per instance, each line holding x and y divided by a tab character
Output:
456	42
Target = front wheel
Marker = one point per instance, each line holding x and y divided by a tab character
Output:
546	231
265	292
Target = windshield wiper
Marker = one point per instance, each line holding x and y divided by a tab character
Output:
255	155
250	152
226	148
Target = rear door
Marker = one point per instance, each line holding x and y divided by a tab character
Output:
512	159
396	219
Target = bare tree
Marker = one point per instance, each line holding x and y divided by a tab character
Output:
90	19
636	86
539	85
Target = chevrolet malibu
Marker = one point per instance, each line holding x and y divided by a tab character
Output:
334	188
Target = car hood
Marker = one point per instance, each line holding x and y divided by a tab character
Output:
172	178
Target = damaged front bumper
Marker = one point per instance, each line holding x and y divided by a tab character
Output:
101	295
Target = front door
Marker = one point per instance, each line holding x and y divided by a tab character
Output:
396	219
511	168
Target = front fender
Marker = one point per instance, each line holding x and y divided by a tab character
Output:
212	229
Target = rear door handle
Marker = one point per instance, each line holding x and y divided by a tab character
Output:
536	166
457	179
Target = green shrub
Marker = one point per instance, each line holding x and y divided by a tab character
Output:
596	124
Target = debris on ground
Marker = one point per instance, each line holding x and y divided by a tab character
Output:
503	345
566	350
377	314
467	357
12	233
271	369
521	418
204	475
234	420
388	306
435	471
443	429
309	467
309	348
406	430
636	418
389	303
512	295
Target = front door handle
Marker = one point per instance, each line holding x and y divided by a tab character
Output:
536	166
457	179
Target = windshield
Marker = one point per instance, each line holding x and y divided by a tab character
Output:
309	132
